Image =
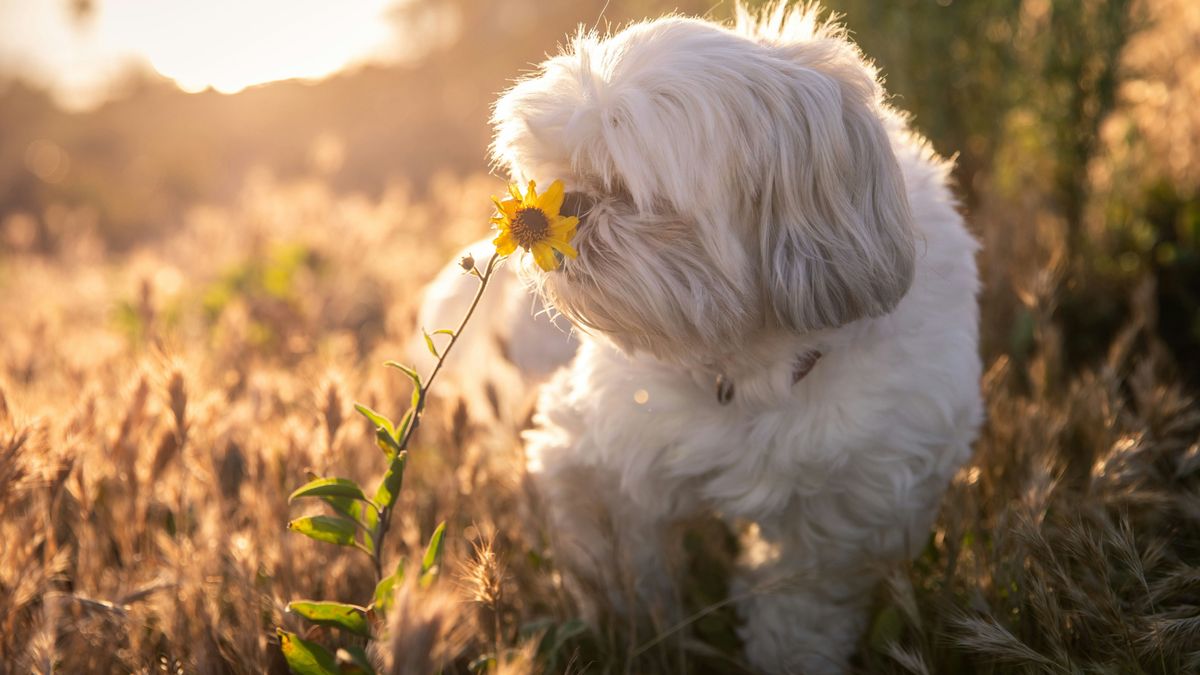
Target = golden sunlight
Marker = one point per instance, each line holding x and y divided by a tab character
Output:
199	44
230	46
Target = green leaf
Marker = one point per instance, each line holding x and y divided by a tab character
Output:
547	646
402	430
328	487
378	420
370	517
886	628
351	508
305	657
386	442
330	529
444	331
412	375
385	590
354	659
336	614
429	343
389	487
554	638
433	556
568	630
407	370
535	626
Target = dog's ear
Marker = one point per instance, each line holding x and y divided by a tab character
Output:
836	235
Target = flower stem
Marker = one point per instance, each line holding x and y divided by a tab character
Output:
385	514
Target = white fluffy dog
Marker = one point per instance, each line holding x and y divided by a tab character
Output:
775	300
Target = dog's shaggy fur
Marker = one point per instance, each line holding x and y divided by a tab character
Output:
775	300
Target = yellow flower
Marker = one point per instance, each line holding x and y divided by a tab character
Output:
534	224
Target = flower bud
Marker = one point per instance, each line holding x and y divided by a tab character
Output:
467	262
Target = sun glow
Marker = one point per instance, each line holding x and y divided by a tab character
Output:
230	46
225	45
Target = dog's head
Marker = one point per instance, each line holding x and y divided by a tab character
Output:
729	181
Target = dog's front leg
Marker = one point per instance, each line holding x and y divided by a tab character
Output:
612	553
803	612
809	572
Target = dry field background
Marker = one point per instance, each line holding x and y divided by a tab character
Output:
195	289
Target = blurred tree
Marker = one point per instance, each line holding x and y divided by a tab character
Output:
1080	54
951	65
965	68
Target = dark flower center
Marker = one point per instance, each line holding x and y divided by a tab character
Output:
529	226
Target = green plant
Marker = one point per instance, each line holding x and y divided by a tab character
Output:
361	521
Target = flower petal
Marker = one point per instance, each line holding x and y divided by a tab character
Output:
515	191
564	232
552	200
563	224
504	243
543	255
562	247
531	196
507	208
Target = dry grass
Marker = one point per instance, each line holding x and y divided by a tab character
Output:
146	453
1069	544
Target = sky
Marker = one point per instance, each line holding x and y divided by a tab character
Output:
223	44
